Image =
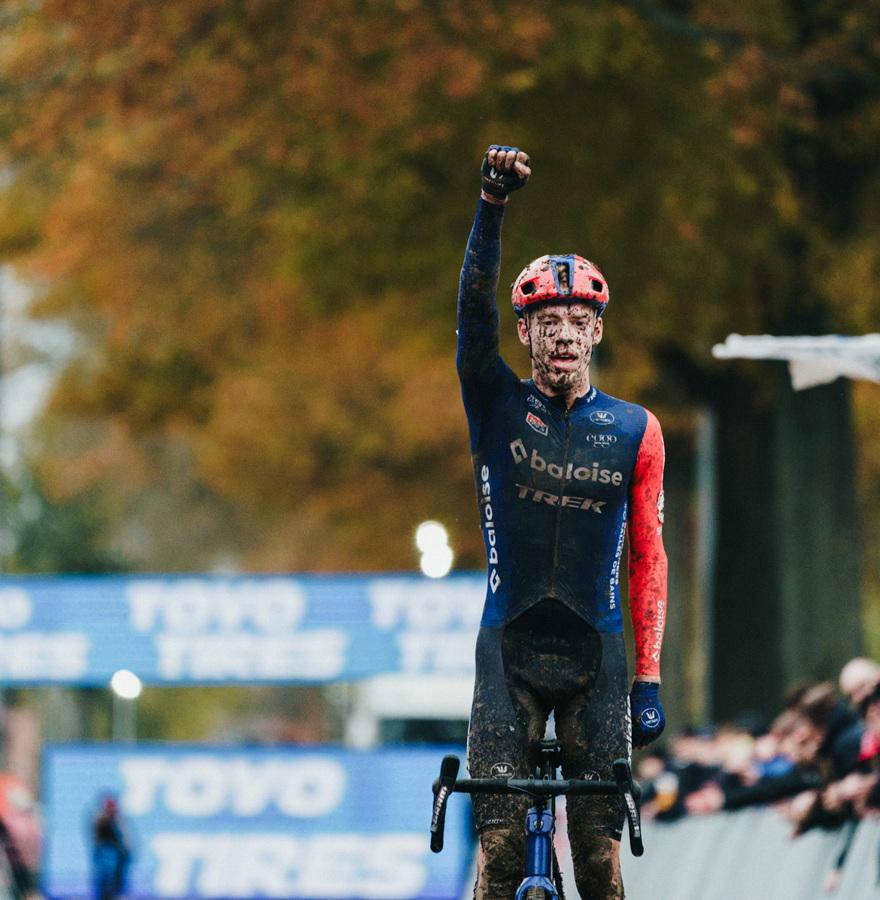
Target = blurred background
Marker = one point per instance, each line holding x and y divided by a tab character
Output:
230	236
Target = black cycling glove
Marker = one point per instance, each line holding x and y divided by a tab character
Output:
499	184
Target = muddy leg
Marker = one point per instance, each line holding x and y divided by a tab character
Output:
597	867
499	863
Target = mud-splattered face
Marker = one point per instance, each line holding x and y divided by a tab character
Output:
560	338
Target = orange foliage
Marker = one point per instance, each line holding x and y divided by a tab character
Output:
252	214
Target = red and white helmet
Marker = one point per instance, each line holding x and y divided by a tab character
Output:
565	278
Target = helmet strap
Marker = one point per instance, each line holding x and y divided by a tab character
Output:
525	317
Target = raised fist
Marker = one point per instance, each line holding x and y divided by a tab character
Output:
505	169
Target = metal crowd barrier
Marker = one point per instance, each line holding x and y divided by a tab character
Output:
749	855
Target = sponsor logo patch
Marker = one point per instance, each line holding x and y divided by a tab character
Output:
502	770
627	728
535	403
601	417
661	503
659	625
537	424
489	526
526	492
650	718
599	441
580	473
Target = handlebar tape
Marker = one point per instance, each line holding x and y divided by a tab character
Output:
624	779
442	789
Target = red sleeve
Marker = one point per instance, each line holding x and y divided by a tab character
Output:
647	558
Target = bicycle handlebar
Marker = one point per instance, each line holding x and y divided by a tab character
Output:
443	787
623	785
535	787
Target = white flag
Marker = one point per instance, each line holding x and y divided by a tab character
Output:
811	360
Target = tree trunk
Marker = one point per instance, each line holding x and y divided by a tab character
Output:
786	598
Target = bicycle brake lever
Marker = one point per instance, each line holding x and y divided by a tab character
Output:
443	787
631	794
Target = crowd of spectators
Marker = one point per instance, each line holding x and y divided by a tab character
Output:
818	761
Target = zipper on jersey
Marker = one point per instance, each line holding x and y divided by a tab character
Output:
565	414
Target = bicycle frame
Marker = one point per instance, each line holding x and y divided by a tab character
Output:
540	826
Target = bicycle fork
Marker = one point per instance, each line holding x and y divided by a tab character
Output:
538	881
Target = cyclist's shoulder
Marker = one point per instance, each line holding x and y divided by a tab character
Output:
494	376
606	409
629	408
602	397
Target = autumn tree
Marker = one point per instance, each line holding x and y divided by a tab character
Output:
252	213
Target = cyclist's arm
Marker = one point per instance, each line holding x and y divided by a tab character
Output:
647	557
478	354
504	170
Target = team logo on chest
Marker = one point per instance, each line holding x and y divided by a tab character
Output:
601	417
536	424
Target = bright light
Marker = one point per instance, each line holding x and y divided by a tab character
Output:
126	684
430	535
433	540
437	561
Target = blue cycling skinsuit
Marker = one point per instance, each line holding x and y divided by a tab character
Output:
557	489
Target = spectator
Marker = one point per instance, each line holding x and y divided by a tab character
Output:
791	769
857	792
839	725
111	852
864	791
819	762
20	835
858	678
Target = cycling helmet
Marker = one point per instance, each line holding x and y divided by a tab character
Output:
564	278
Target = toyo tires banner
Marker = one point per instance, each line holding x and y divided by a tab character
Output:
212	823
245	629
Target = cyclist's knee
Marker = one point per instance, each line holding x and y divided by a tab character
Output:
596	861
500	863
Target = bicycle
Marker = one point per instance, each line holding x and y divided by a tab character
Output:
539	881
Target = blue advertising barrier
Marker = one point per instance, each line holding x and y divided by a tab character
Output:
244	629
221	822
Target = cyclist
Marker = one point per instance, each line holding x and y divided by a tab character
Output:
562	470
